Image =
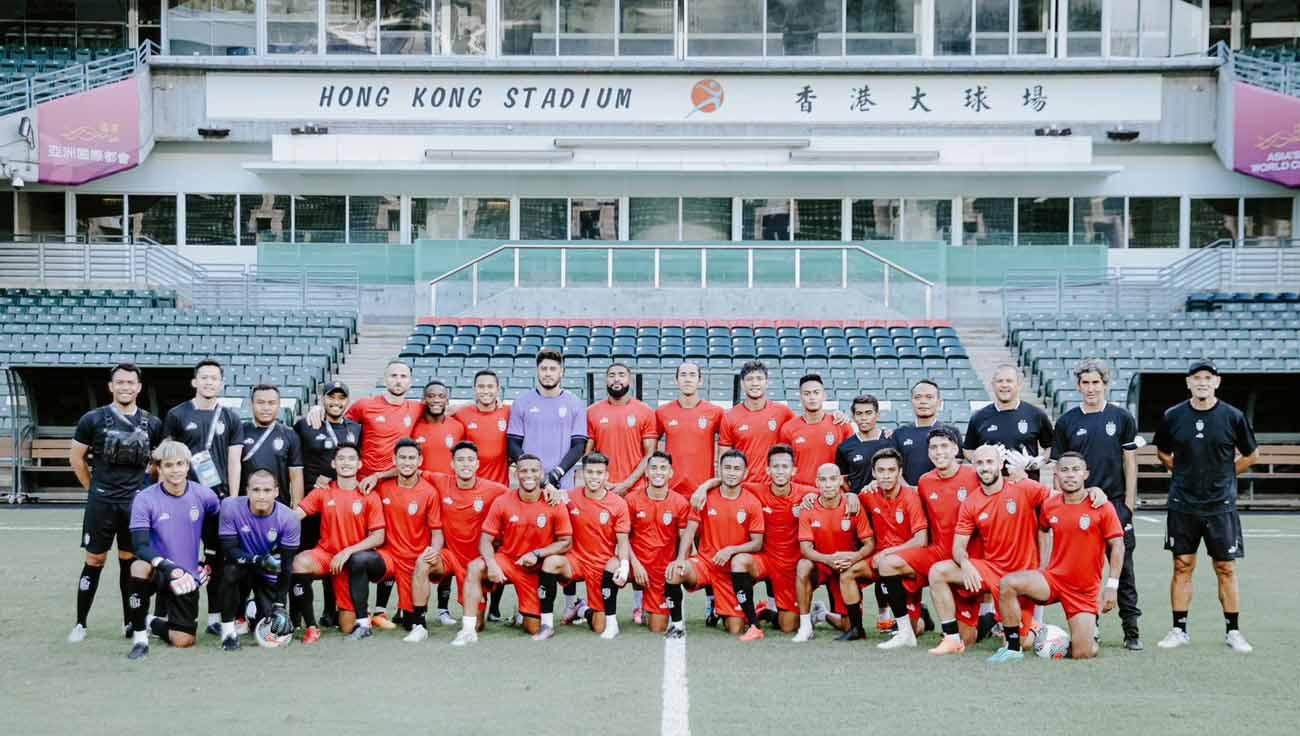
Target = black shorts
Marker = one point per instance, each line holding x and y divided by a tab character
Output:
310	532
1221	532
181	611
103	522
239	579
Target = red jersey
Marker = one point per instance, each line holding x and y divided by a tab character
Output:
409	515
833	530
619	432
1079	537
522	527
814	444
463	511
754	433
656	526
942	499
894	521
487	430
781	535
1007	522
436	440
596	524
726	522
346	517
689	436
382	425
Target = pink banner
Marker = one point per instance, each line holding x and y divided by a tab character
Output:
1266	134
90	135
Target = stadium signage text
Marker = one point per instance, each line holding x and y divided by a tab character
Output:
345	96
1266	134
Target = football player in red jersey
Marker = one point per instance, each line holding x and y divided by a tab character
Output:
599	558
436	431
815	434
624	429
690	428
754	425
485	425
1084	538
412	522
658	517
834	543
899	523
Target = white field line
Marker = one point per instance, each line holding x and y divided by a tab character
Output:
676	698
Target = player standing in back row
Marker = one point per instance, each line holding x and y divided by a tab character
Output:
754	425
1206	443
624	429
1010	422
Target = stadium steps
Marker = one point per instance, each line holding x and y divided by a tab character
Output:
363	369
988	349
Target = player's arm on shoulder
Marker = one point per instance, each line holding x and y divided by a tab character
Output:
701	494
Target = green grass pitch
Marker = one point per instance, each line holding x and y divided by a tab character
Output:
578	684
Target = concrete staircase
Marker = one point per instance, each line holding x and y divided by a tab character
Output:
363	368
986	345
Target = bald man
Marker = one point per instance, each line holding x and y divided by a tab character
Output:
834	540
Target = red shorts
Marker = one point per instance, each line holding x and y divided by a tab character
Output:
921	559
591	576
1071	599
724	595
453	567
653	601
400	571
990	579
826	575
781	574
342	595
525	582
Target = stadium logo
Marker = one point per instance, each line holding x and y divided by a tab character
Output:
667	518
898	516
501	425
356	508
1085	522
272	535
541	521
604	518
412	509
706	96
844	525
478	505
1023	426
631	420
702	423
1110	429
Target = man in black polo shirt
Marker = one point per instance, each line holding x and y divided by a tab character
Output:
1010	422
1205	443
110	457
912	440
854	454
318	446
271	446
1106	436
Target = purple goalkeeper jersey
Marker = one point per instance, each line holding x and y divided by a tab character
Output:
259	535
547	424
175	523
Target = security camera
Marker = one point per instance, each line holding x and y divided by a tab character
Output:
17	182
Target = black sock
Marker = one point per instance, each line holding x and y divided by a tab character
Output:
895	595
855	616
383	592
1180	621
494	603
590	615
138	601
419	616
1012	633
300	593
743	584
124	587
329	605
86	587
546	591
1230	620
881	600
571	588
673	594
444	596
767	585
609	593
949	627
218	568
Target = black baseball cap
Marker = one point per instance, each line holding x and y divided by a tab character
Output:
1204	364
335	386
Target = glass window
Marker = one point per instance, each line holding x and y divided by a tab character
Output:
1186	20
375	219
952	27
1033	24
765	219
6	214
882	27
152	216
487	218
818	219
435	218
462	27
706	218
210	219
586	27
528	27
724	28
1141	27
99	217
291	26
1099	221
1269	218
264	218
927	219
405	27
1043	221
1083	30
993	27
1153	222
593	219
543	219
350	27
211	27
1213	219
40	213
804	27
652	218
987	220
645	27
876	219
1266	23
319	219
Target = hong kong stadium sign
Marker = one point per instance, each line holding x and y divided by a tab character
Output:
786	98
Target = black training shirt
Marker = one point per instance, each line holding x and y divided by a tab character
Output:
1101	437
1202	443
318	448
186	424
280	451
913	442
109	480
1025	428
854	458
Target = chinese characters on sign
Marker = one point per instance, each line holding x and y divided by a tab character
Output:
90	135
974	98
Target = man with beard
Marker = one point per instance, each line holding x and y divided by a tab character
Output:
622	428
437	432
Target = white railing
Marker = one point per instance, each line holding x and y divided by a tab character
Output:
1277	76
890	271
26	93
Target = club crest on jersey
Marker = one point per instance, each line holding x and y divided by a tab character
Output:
631	420
898	516
962	493
351	438
1011	507
667	518
221	427
740	517
604	517
329	444
830	439
984	517
771	425
1200	426
194	513
356	508
1085	521
478	505
1023	426
406	420
448	441
1110	429
272	535
563	411
501	425
278	444
844	525
541	521
412	509
702	422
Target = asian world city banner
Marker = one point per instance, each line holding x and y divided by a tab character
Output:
1266	134
89	135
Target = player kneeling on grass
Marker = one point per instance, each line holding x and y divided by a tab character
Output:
166	530
658	516
259	538
412	528
836	542
351	527
523	543
1084	538
599	558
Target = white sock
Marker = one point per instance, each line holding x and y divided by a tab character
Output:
569	599
805	621
442	611
140	637
986	607
1038	613
364	622
582	609
468	623
771	604
227	629
611	623
214	618
637	597
884	615
680	625
548	619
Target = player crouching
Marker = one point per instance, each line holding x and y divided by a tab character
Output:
836	543
600	557
259	538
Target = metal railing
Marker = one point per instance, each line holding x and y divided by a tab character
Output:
1278	76
26	93
891	271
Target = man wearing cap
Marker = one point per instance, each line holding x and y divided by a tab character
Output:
318	446
1205	443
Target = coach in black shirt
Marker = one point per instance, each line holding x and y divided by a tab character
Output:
912	440
213	433
318	445
1205	443
271	446
1106	435
1010	422
854	454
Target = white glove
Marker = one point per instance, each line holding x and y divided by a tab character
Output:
620	577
